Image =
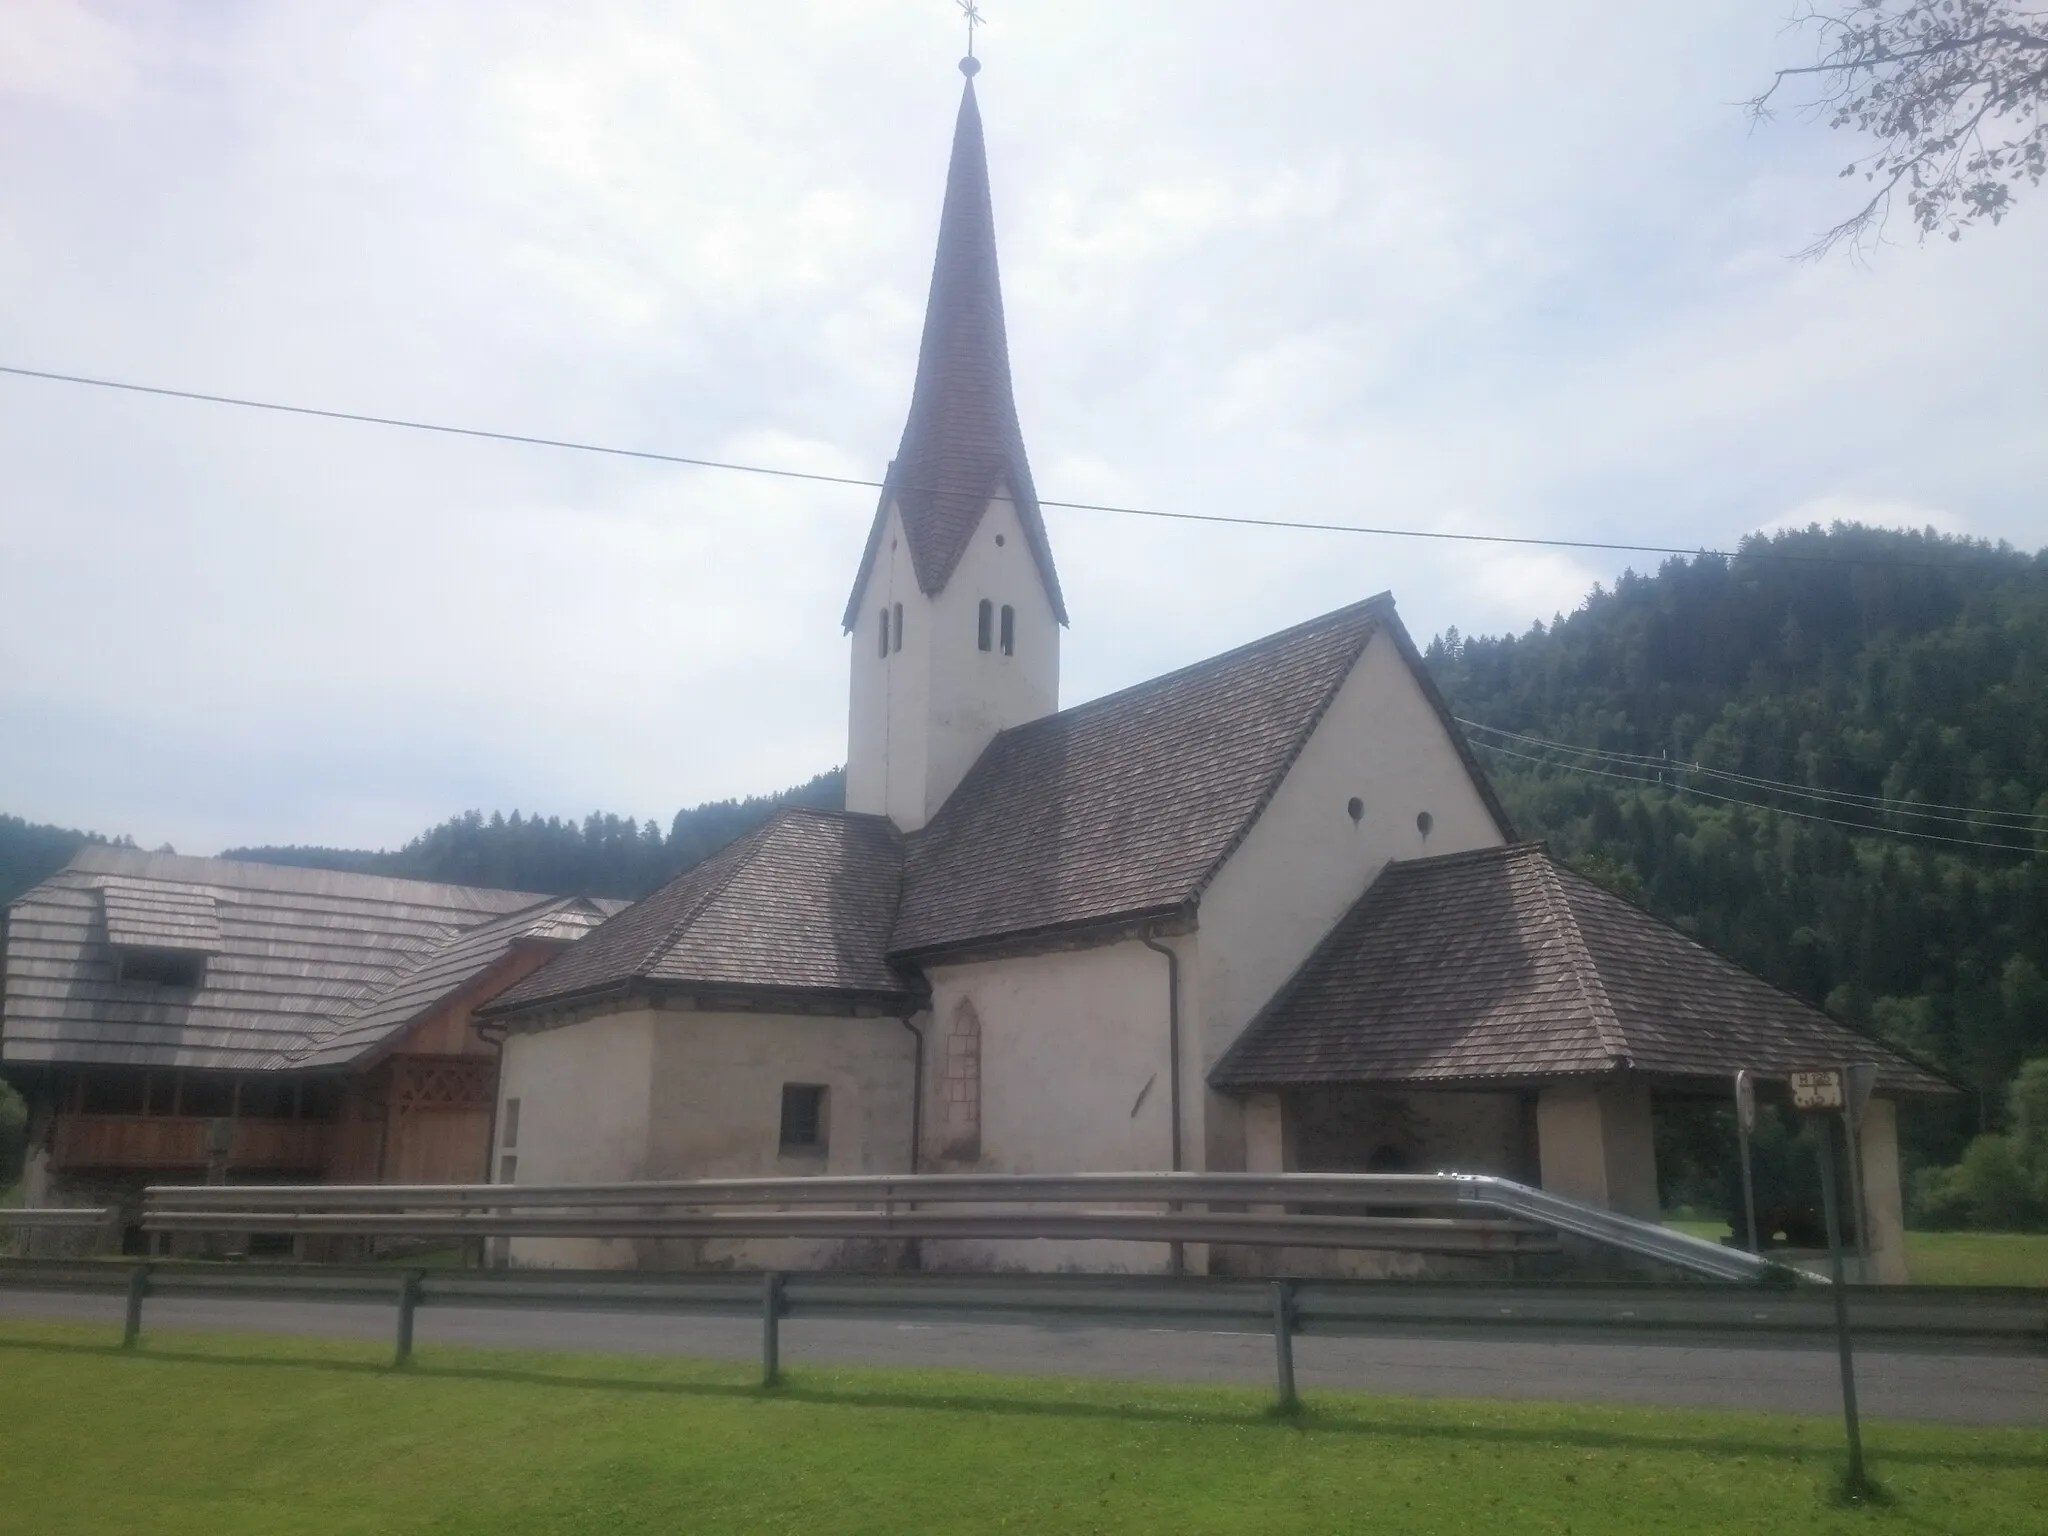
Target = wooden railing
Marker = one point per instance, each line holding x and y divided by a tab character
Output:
179	1141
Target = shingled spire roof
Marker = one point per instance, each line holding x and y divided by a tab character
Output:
962	445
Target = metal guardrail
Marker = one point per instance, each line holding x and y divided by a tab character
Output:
1505	1216
1406	1234
48	1218
1950	1320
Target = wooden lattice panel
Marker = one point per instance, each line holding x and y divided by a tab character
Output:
451	1083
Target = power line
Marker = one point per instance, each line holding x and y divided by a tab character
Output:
2023	820
694	462
1773	810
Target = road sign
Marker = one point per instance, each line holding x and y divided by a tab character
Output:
1819	1088
1745	1101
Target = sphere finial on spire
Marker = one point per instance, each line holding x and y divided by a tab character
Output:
970	12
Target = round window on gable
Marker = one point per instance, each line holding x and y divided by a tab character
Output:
1355	809
999	541
1423	822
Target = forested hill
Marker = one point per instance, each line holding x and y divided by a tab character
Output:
603	855
31	852
1856	802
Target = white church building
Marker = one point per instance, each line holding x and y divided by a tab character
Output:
1261	913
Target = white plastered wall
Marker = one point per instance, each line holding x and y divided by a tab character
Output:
1305	862
682	1094
1073	1079
718	1080
919	718
585	1094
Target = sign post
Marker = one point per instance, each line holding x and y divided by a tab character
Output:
1823	1092
1745	1127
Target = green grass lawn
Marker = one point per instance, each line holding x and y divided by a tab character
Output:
221	1435
1949	1258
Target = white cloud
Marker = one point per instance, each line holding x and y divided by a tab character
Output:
59	51
1511	270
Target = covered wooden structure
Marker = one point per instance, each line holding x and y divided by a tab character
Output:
172	1019
1500	1003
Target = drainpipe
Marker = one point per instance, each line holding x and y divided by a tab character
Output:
1177	1260
1172	1039
495	1039
916	1091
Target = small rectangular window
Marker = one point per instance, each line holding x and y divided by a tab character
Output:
882	639
162	968
984	623
508	1169
897	644
803	1118
1009	630
511	1124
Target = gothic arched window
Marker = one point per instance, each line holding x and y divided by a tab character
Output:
960	1086
984	626
1009	630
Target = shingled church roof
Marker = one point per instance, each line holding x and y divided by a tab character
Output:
1125	808
962	445
1504	966
800	905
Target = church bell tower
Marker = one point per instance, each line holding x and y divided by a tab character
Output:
956	611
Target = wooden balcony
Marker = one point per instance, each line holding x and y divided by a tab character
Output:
179	1141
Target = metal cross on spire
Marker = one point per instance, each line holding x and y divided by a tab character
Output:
972	12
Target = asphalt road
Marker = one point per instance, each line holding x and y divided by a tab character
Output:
1971	1389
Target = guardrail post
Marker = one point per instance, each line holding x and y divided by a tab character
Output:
138	1287
1283	1342
771	1328
408	1303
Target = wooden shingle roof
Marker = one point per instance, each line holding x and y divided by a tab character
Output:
159	914
801	905
1505	966
299	962
962	444
437	973
1124	808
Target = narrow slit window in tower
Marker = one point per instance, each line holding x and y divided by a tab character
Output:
1009	630
984	624
883	639
898	645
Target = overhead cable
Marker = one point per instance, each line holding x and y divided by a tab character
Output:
1849	799
1770	810
696	462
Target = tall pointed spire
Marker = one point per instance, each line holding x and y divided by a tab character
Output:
962	445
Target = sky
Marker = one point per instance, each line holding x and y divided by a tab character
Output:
1488	268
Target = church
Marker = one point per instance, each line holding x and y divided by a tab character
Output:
1262	913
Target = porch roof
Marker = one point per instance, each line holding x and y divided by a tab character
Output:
1505	966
